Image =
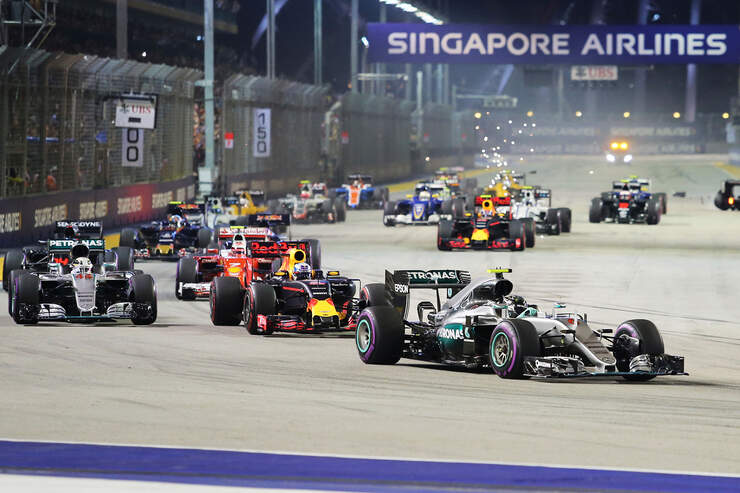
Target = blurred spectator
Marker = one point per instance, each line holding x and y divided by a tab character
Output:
51	181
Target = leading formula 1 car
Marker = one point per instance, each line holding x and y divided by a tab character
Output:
629	202
360	193
230	209
489	227
481	325
182	232
727	198
79	292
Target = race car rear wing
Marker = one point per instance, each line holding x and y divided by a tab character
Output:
249	232
93	244
181	207
399	283
274	249
78	229
268	220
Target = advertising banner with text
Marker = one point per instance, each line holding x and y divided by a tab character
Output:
574	45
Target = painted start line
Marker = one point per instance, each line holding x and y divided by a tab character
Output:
293	471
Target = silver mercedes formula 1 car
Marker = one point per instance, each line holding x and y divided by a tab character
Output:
80	290
481	324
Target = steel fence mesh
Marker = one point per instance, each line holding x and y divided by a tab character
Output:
297	113
57	129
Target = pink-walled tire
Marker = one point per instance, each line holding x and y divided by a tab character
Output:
379	335
511	342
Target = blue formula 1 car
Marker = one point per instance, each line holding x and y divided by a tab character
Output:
629	202
183	231
360	193
425	206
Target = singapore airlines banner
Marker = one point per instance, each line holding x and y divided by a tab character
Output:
602	45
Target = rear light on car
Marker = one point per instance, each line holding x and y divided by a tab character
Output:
731	200
624	205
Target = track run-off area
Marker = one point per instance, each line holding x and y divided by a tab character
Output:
184	383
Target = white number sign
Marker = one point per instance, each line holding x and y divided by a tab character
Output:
132	152
261	133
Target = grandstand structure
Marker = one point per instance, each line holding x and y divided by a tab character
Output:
26	22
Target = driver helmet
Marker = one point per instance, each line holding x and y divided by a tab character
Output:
424	195
239	245
82	264
518	304
301	271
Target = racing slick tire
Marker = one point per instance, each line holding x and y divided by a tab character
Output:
143	290
379	335
380	196
389	213
226	301
596	212
517	229
530	231
554	221
373	294
721	201
565	219
204	237
458	208
649	341
187	272
663	202
25	290
341	208
446	208
124	258
11	283
274	207
654	209
314	253
258	300
511	342
444	231
128	238
12	260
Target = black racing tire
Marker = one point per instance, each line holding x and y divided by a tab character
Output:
446	208
530	231
380	197
11	284
554	221
654	209
386	194
444	231
720	200
12	260
458	208
26	290
259	299
518	230
649	341
128	238
213	245
380	335
389	213
226	301
663	202
187	272
143	290
596	211
274	207
124	258
314	253
373	294
511	342
204	237
341	208
565	219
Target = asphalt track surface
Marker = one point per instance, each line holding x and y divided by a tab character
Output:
183	382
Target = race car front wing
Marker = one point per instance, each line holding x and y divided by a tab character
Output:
568	367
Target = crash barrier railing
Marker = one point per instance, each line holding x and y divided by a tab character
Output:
57	129
277	132
24	220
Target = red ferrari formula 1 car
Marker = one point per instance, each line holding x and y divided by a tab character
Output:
244	253
489	227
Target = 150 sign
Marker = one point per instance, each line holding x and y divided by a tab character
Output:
261	132
132	151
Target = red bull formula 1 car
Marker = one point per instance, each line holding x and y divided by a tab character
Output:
489	227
